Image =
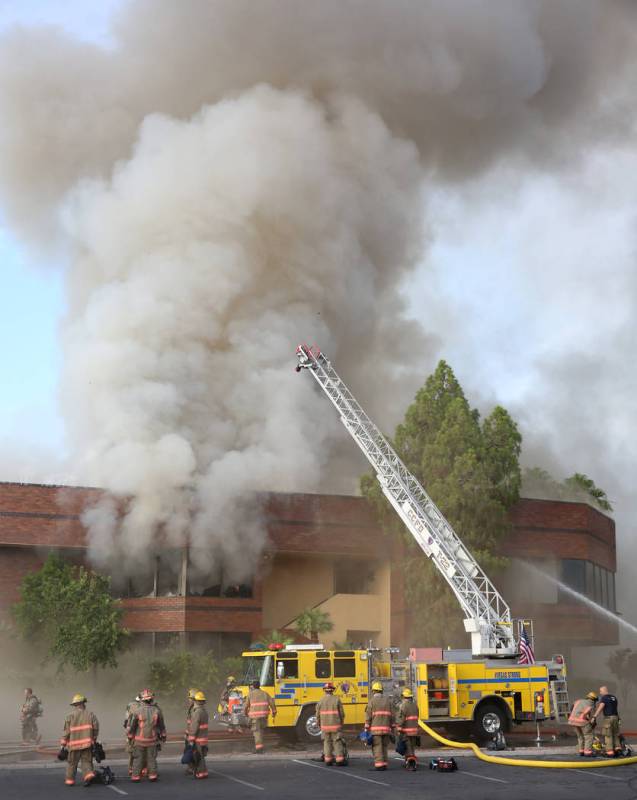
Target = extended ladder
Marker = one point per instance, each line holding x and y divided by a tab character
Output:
488	617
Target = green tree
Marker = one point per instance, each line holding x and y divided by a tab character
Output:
180	670
69	611
313	621
472	473
583	483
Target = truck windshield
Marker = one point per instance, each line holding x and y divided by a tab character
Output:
258	668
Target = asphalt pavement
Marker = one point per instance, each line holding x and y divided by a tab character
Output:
290	776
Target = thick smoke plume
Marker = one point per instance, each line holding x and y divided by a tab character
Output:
232	177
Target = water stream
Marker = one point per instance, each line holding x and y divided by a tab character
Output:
604	612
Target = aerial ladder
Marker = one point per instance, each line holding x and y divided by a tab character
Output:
487	616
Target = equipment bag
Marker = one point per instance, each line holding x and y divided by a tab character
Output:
401	746
39	709
188	755
104	775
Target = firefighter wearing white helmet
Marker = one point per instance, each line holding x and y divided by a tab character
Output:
198	735
379	721
146	731
408	728
330	717
81	730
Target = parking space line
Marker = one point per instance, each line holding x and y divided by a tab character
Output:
236	780
115	789
340	772
484	777
596	774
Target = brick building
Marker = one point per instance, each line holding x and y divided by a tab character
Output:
323	551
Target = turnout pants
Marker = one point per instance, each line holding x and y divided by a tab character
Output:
333	747
585	738
379	748
258	725
79	757
199	761
144	758
610	730
131	751
411	743
29	729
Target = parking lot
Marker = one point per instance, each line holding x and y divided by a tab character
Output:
294	775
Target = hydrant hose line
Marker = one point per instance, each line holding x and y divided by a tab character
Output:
515	762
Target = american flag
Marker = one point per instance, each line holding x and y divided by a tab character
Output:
527	656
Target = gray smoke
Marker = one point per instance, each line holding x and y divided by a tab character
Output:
232	177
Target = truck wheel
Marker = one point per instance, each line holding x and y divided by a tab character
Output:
307	728
489	719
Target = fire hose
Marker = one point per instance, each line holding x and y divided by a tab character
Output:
520	762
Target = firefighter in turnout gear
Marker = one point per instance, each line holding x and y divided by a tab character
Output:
258	707
146	730
231	682
197	726
30	711
379	722
190	704
81	730
581	718
330	716
608	706
130	710
407	726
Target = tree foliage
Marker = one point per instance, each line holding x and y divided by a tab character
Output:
537	482
180	670
69	611
313	621
471	470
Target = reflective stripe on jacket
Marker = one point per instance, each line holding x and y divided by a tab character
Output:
407	718
379	715
330	713
259	704
197	724
81	729
146	726
581	713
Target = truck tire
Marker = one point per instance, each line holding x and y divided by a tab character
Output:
307	729
489	719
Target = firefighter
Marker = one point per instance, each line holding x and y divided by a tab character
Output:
231	682
30	711
379	722
190	704
407	726
608	706
131	709
197	725
146	729
330	717
259	706
581	718
81	730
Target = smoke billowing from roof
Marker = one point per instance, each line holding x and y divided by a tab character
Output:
233	176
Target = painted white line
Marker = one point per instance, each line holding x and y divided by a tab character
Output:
115	789
596	774
339	771
236	780
484	777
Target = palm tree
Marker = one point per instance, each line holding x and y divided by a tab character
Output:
312	621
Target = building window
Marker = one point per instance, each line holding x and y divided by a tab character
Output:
353	577
591	580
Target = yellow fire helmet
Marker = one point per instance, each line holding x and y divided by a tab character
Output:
201	697
591	696
77	699
231	679
192	693
407	693
377	686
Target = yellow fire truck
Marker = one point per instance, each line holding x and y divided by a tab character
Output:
488	694
486	686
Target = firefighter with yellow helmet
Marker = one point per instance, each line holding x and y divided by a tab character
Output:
197	734
258	708
224	698
81	730
581	718
408	728
146	730
330	716
379	721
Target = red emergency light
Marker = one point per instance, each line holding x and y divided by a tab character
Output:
275	646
